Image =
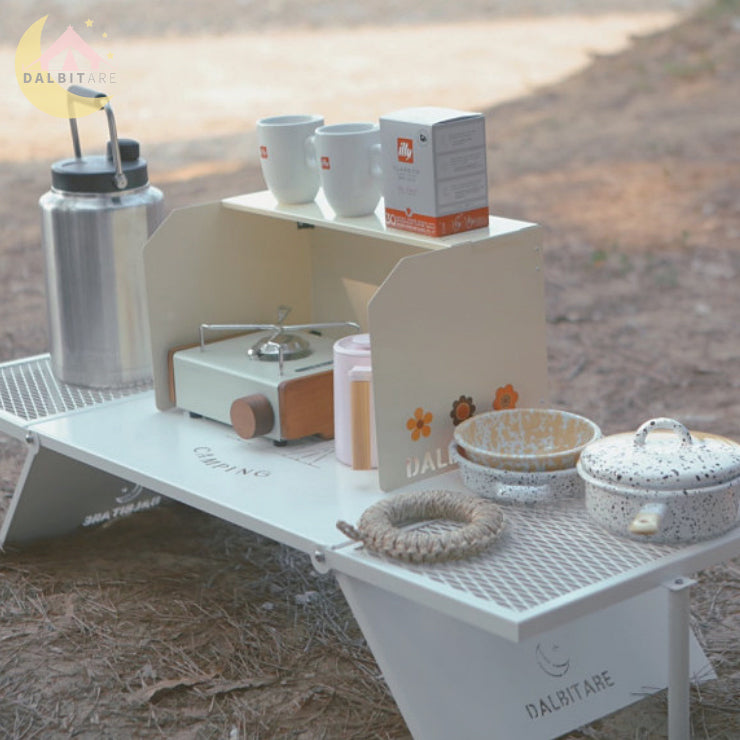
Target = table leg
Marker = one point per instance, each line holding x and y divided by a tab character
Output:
452	679
679	683
56	494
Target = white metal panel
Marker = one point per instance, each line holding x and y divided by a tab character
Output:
56	494
453	680
293	494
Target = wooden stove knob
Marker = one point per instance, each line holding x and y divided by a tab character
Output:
252	416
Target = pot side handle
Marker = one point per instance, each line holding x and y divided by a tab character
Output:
662	423
648	519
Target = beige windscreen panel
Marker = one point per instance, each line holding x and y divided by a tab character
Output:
457	324
455	332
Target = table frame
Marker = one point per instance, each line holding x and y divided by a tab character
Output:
76	470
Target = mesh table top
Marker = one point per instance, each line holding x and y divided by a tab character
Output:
544	552
29	391
551	563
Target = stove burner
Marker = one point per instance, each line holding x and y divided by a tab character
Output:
280	345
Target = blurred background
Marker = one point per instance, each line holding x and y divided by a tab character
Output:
196	72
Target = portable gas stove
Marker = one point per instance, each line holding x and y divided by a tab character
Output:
275	381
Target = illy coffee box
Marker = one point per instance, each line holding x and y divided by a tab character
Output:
434	170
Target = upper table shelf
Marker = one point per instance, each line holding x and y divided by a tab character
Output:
320	213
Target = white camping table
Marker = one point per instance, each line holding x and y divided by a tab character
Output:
440	633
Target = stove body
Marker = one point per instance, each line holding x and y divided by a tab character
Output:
279	400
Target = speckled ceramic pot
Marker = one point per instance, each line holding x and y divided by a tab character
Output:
529	440
663	483
515	486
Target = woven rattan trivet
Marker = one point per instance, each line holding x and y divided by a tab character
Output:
380	527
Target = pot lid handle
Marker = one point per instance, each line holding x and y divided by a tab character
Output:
662	423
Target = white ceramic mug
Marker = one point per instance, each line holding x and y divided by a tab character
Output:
348	160
286	157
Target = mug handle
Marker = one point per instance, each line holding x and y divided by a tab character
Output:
376	162
309	150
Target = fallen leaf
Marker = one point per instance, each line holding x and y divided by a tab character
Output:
158	690
226	687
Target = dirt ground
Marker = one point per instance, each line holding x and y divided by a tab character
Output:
173	624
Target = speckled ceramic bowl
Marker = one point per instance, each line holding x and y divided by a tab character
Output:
515	486
529	440
663	483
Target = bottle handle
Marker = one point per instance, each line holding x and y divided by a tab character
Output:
78	91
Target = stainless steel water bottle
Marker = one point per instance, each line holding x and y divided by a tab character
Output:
96	219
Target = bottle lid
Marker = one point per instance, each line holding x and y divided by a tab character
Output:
361	341
95	174
353	344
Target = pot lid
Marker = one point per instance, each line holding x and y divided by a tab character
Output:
662	455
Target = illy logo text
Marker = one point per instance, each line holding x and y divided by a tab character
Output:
405	150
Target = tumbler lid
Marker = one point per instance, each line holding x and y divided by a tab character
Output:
95	174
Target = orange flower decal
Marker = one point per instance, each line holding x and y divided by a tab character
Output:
462	409
418	425
506	398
